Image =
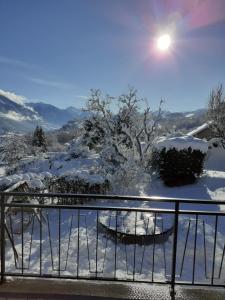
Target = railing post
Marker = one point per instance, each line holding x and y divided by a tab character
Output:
2	204
174	253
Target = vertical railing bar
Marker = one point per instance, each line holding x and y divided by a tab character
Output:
204	243
153	248
96	253
195	244
87	240
68	248
174	253
78	240
125	246
59	250
143	253
106	244
164	250
185	248
115	259
50	242
214	251
135	236
22	219
222	259
13	246
31	241
40	241
11	229
2	239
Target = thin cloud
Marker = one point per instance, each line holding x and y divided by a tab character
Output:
50	83
82	97
12	96
16	62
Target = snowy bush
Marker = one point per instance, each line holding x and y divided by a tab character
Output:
77	149
179	160
129	179
79	182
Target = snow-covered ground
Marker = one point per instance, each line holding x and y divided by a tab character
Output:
211	185
88	236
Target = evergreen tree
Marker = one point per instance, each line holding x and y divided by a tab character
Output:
39	139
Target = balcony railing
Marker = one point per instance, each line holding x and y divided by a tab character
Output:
137	239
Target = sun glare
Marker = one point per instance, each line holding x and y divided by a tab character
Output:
164	42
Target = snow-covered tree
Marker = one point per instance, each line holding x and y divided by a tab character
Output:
216	112
76	149
39	139
14	149
53	144
121	128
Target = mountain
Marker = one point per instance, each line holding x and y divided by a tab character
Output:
183	121
18	116
56	116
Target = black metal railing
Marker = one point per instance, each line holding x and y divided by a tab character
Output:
124	238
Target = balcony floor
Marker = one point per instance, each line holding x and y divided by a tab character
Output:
33	289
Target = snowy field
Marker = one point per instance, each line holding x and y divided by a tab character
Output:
211	185
86	250
146	262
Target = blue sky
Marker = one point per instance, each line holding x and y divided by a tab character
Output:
57	50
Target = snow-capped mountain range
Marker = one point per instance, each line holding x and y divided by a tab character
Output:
19	116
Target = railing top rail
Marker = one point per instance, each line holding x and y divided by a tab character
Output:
114	197
118	208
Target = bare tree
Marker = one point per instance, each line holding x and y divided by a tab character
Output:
124	124
216	112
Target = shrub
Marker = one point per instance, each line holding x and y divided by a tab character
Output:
178	167
77	186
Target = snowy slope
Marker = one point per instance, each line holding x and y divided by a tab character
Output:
56	116
17	115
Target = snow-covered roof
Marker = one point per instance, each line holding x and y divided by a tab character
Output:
34	181
200	128
180	143
16	186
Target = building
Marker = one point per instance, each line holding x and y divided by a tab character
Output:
205	131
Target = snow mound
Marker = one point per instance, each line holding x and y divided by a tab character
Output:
180	143
84	175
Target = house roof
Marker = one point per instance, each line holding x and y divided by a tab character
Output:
200	128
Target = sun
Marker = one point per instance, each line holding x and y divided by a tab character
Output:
164	42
